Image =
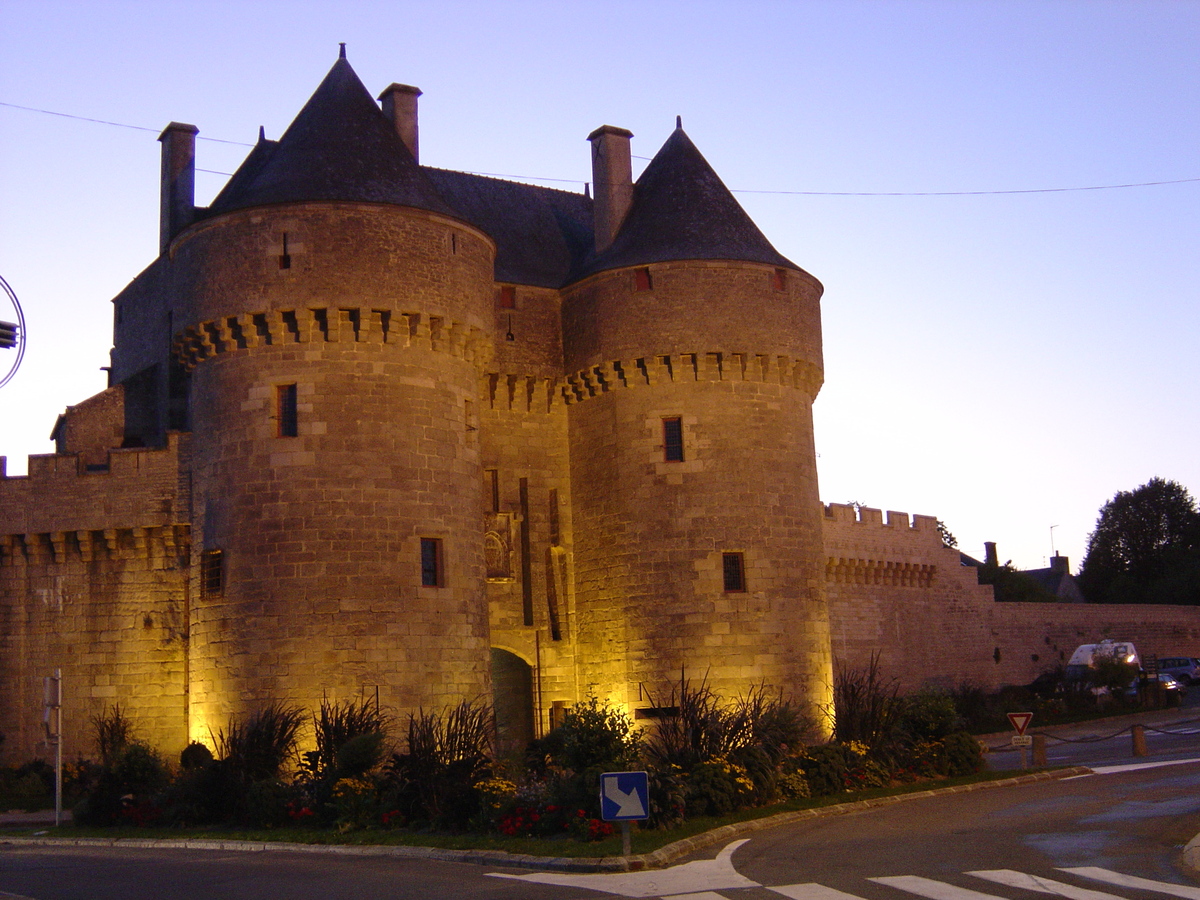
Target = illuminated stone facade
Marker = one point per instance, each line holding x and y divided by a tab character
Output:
376	426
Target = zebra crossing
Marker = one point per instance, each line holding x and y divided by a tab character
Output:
931	889
717	879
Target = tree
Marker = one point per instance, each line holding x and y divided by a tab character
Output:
948	538
1146	548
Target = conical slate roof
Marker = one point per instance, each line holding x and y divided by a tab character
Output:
682	210
340	147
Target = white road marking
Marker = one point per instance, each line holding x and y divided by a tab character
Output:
811	891
1042	885
934	890
1144	884
1132	767
701	876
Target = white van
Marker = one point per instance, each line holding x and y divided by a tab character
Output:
1086	656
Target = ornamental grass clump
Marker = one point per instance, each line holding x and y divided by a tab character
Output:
448	755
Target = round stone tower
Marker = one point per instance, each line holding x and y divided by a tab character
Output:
334	314
693	353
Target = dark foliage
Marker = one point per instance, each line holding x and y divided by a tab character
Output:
867	708
260	747
448	755
1146	548
1012	586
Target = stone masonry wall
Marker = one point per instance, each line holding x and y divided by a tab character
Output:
93	581
896	592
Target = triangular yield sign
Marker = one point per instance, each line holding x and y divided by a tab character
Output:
1020	721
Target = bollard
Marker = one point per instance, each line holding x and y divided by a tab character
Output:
1139	740
1039	750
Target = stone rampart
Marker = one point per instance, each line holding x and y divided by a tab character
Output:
93	582
896	593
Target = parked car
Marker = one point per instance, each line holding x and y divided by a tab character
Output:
1184	668
1173	690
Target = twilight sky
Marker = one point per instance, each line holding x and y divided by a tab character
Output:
1004	360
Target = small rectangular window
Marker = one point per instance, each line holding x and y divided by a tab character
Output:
642	280
212	574
734	568
508	297
779	280
431	563
673	439
285	411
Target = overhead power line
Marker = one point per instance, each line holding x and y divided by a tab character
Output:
50	112
1054	190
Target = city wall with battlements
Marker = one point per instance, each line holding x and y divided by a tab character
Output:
898	594
93	581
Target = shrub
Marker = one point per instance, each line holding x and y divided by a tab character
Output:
929	715
867	708
259	747
112	731
793	784
964	756
595	735
336	726
717	787
448	755
125	788
826	769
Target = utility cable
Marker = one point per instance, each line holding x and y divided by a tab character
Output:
1054	190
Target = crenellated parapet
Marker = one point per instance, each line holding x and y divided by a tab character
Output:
64	494
762	368
330	325
861	548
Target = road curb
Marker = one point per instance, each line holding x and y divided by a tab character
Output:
661	857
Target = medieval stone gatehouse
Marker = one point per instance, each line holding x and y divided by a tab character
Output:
374	425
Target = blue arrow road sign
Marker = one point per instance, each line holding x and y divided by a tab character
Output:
624	796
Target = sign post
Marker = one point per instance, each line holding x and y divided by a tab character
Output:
52	712
624	798
1020	721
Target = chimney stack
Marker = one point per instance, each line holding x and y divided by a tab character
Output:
612	178
989	553
177	199
400	105
1060	564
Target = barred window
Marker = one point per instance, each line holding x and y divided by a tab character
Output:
212	574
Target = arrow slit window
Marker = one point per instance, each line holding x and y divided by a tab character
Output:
287	423
733	567
673	439
432	563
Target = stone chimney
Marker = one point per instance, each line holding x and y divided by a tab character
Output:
177	200
1060	565
612	180
989	553
400	105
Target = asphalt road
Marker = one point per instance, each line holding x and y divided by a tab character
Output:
1127	823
